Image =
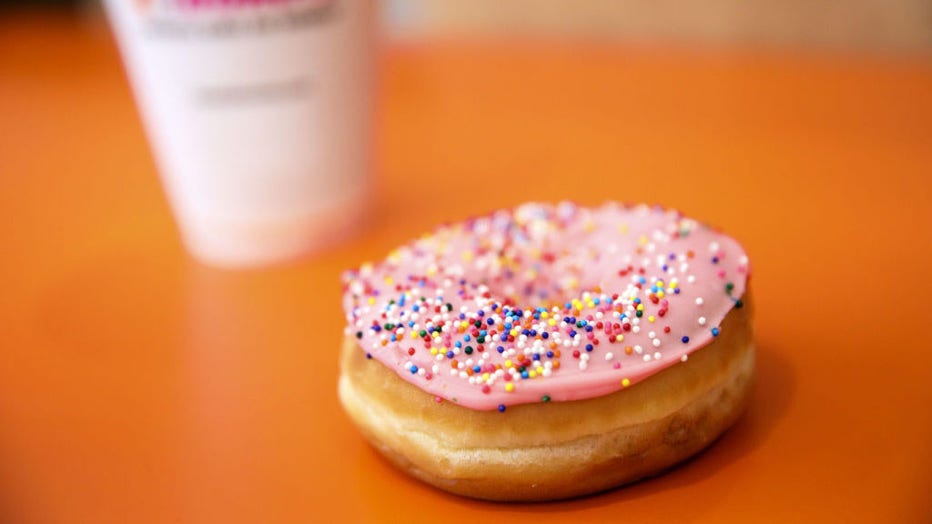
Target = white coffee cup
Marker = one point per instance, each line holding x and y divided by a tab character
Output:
259	114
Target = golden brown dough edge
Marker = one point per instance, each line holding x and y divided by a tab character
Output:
555	450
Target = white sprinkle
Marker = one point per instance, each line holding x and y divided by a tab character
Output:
701	321
656	342
609	356
699	301
684	358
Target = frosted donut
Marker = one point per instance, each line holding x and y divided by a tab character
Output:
549	351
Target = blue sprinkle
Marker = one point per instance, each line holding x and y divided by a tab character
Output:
504	338
685	340
588	347
489	321
450	354
715	332
413	369
715	260
524	374
536	356
476	369
500	349
458	344
501	408
572	332
550	354
545	335
368	355
467	338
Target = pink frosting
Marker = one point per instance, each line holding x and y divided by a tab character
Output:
545	303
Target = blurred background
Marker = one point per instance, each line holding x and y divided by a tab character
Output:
873	25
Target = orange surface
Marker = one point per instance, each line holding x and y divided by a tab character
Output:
136	386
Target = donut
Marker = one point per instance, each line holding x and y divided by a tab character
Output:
549	351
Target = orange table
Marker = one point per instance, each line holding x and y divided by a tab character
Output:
137	386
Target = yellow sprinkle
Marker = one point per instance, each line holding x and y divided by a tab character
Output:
389	280
544	315
620	338
371	300
513	332
640	307
623	228
642	240
651	318
433	351
508	363
552	322
485	377
625	382
532	374
413	334
467	256
660	294
509	387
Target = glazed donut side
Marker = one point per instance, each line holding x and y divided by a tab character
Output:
554	450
